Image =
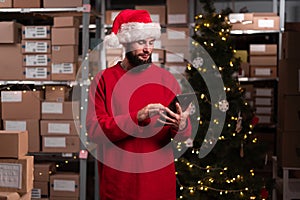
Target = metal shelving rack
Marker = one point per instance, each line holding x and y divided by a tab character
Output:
83	82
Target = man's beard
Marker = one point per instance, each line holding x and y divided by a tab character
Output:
137	63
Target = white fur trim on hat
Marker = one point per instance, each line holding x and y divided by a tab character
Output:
135	31
111	40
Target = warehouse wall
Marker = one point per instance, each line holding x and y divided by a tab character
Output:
292	7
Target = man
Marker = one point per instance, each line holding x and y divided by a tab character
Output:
129	119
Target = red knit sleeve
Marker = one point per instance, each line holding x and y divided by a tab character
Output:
101	126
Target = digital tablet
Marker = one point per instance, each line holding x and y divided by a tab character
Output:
183	99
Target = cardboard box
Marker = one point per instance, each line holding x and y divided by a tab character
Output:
254	21
6	3
68	110
288	113
110	16
36	46
60	127
32	126
66	21
9	196
41	187
63	71
263	71
177	12
43	171
13	144
290	45
288	149
266	23
11	69
61	144
263	49
62	4
21	104
64	54
263	60
65	36
37	60
64	185
16	175
58	93
36	32
10	32
27	3
289	76
36	73
157	12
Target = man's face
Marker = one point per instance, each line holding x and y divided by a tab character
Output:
139	52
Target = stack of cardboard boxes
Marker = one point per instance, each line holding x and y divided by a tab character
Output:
288	134
16	168
40	3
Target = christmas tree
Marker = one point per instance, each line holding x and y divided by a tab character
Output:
228	171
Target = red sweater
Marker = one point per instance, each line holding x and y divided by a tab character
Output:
136	160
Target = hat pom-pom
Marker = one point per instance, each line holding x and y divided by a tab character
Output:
111	40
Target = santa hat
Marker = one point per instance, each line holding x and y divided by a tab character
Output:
130	26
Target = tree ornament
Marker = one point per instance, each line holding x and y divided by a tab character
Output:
189	142
242	150
223	105
239	127
254	121
264	194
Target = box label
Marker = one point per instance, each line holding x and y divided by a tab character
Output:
266	23
64	185
62	68
36	193
36	32
36	60
177	18
258	47
36	47
172	34
55	142
15	125
11	96
62	128
236	17
11	175
263	101
264	91
155	18
52	108
263	71
263	110
36	73
155	57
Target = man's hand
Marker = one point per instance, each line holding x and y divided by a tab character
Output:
176	120
149	111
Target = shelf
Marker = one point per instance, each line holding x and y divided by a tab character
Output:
34	10
241	32
70	83
250	79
